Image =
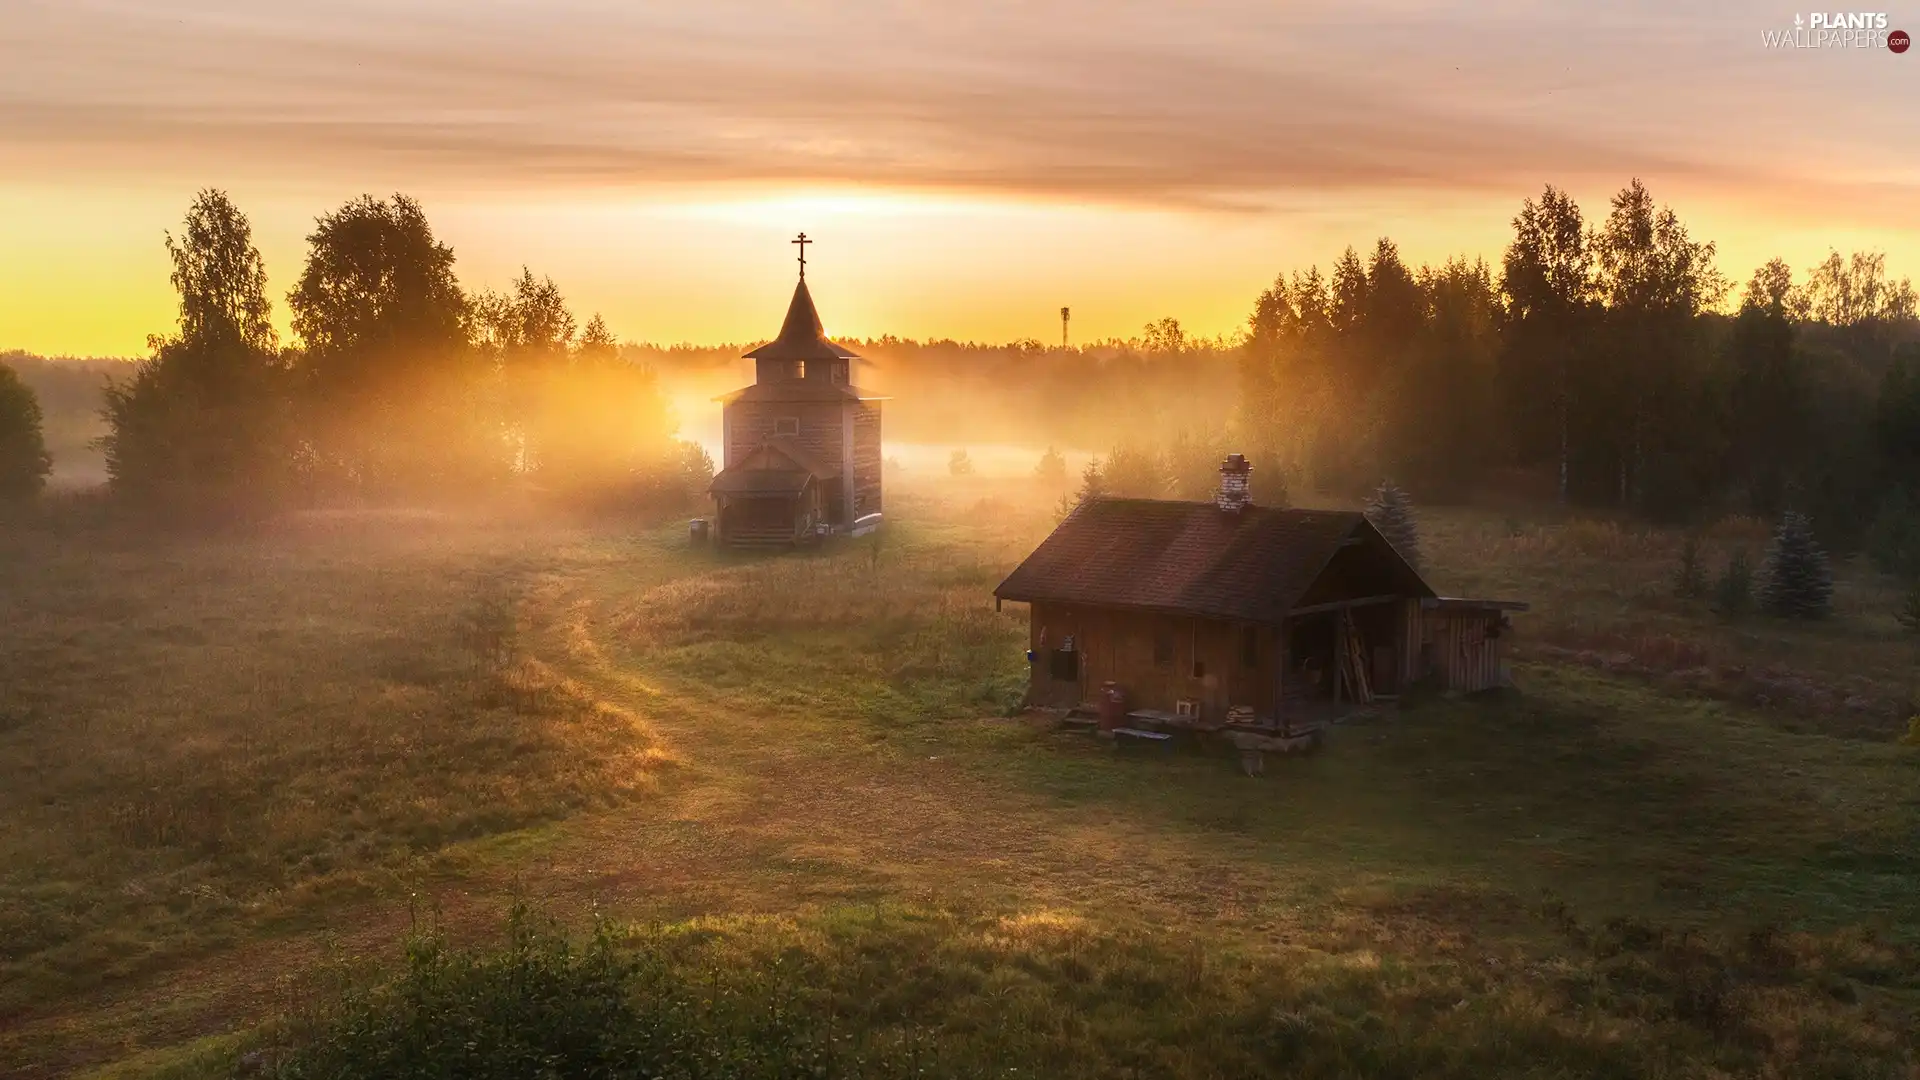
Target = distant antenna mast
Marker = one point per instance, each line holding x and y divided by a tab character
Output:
1064	316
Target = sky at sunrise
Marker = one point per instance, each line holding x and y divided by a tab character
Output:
966	168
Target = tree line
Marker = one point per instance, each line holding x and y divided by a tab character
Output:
1596	357
1604	361
1016	393
400	384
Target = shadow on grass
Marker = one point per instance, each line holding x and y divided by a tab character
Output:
896	991
1604	790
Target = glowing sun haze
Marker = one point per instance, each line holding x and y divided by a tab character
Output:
968	168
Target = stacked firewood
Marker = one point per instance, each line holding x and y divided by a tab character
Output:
1353	666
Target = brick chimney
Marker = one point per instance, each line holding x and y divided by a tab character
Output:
1235	473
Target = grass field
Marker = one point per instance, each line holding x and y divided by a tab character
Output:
232	769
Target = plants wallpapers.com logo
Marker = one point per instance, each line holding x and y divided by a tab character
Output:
1838	30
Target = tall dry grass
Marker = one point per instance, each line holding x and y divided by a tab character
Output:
210	744
201	736
1604	593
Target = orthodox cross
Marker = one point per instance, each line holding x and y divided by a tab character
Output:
803	242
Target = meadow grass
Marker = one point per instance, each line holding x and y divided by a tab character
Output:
227	766
207	738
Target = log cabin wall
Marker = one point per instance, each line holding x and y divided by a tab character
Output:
868	465
1413	637
1157	659
750	423
1462	653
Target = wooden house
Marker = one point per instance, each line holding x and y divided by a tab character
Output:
801	446
1223	610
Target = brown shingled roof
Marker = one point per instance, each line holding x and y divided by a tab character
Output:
801	336
779	466
1188	558
759	482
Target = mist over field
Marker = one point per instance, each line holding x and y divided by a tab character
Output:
365	709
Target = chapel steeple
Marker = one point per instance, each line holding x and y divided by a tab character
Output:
802	350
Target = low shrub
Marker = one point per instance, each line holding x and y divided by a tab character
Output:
546	1006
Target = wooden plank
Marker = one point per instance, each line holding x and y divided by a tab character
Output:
1410	627
1343	605
1455	603
1339	650
1283	651
1353	661
1300	739
1156	720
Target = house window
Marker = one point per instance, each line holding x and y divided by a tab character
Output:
787	425
840	373
1250	648
799	369
1163	646
1065	665
1199	668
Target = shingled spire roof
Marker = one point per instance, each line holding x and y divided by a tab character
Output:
801	336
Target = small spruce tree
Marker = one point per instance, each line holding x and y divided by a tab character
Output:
1093	481
1093	485
1733	594
1052	469
1690	580
1796	583
1392	513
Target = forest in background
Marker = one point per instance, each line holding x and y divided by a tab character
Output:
1603	360
1608	358
1021	393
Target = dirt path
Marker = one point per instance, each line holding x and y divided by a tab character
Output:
763	819
750	821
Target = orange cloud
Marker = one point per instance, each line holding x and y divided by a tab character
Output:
1236	104
1131	159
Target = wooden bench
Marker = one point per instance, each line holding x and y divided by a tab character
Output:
1126	736
1156	720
